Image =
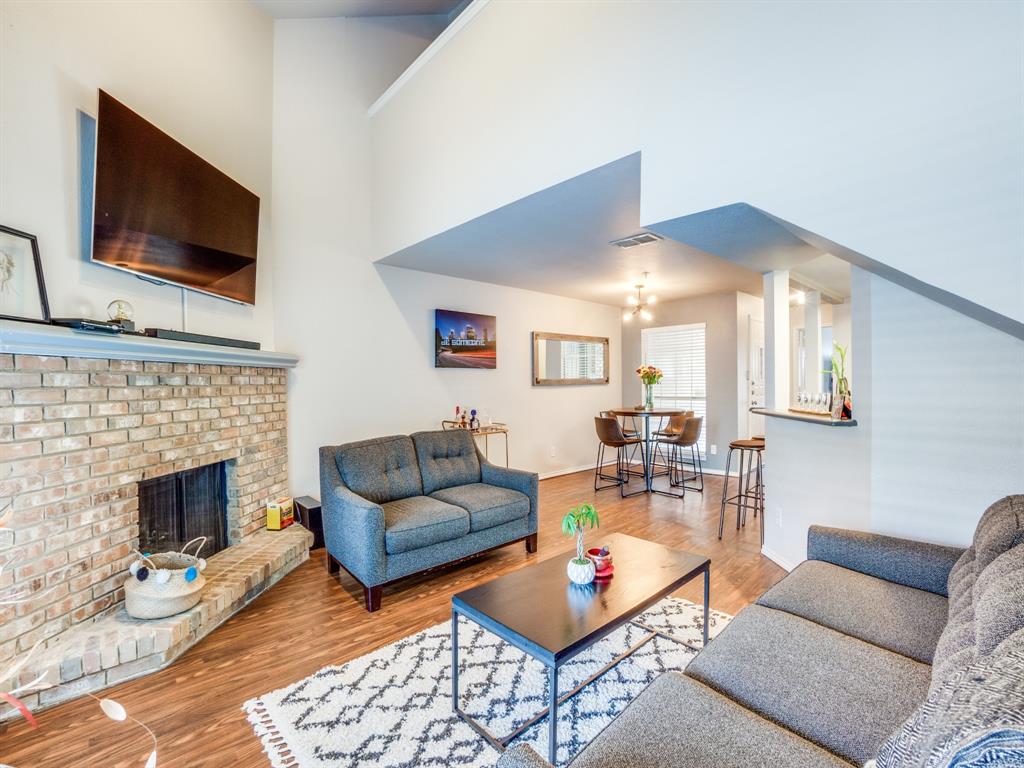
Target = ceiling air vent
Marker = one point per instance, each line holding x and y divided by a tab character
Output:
640	238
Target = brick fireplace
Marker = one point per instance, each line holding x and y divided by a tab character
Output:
77	437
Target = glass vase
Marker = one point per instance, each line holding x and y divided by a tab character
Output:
649	397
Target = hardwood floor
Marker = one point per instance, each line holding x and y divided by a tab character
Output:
311	620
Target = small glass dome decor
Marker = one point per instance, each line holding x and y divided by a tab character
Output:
167	583
119	309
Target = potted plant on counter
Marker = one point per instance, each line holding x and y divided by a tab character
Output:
581	568
842	406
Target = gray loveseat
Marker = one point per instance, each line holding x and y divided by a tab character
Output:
875	649
394	506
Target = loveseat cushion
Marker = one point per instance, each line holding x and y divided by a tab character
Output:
446	458
488	505
843	694
974	717
899	618
419	521
678	722
381	470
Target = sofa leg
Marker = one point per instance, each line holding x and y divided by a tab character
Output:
333	566
531	543
372	595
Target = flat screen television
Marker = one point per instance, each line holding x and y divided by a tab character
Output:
163	212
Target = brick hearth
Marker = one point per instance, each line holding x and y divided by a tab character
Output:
76	437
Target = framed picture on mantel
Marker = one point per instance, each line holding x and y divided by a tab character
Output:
22	290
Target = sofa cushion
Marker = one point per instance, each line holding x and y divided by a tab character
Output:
447	458
999	608
1000	529
381	470
678	722
488	505
974	593
839	692
419	521
899	618
974	717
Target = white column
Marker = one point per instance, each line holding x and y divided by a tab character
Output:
812	342
776	339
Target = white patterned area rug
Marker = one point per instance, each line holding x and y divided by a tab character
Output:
393	708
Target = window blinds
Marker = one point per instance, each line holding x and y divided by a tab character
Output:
679	351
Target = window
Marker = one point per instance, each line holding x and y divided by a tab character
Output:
582	360
679	351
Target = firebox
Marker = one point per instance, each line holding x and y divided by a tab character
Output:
176	508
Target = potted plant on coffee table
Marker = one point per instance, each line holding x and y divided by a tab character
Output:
581	568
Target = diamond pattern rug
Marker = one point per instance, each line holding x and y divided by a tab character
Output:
392	708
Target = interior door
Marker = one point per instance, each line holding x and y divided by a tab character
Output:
755	374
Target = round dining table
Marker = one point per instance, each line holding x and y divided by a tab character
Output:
647	415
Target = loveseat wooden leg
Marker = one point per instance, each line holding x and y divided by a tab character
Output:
372	595
531	543
333	566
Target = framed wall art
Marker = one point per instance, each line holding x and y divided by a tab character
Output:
22	290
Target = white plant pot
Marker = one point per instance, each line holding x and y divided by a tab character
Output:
579	573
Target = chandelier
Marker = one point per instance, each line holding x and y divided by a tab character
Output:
638	304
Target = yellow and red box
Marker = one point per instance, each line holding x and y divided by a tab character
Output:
280	513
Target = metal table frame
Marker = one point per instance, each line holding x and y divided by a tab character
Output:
552	665
648	455
484	431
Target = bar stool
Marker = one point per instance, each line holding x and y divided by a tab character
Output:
674	428
745	497
677	476
609	433
628	432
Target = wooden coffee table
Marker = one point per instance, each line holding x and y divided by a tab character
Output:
540	612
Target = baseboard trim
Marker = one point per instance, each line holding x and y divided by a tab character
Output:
590	468
570	471
777	559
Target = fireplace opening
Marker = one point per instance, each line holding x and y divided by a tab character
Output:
176	508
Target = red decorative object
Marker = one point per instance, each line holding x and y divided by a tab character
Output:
602	558
607	573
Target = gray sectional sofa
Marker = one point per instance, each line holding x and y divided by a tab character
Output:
399	505
874	650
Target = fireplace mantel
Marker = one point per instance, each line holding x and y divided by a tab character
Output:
57	341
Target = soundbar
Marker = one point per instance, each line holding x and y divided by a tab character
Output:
198	338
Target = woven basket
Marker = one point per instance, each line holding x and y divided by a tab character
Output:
165	590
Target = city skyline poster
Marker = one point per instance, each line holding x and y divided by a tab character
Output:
464	340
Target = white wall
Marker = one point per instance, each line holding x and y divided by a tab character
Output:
892	128
947	434
365	333
202	72
940	432
726	368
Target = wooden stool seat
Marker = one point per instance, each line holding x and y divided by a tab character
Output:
750	445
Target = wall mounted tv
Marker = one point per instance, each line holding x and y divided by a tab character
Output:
163	212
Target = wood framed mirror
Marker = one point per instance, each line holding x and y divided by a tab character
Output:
562	359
